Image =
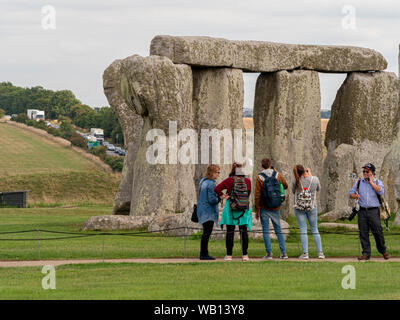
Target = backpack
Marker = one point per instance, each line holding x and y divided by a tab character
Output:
304	198
239	199
271	192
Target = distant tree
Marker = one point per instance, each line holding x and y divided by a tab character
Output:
40	125
55	132
16	100
78	140
21	117
66	129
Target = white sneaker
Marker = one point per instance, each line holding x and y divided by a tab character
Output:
284	256
245	258
228	258
321	255
268	256
304	256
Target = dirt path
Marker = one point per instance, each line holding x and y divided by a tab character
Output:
39	263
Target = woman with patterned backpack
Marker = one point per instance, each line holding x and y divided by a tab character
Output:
237	210
305	187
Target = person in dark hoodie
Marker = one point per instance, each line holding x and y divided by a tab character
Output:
265	213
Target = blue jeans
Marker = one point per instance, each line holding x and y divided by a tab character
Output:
275	217
312	217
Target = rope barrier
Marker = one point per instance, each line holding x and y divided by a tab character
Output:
160	231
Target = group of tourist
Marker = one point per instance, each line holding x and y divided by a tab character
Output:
269	195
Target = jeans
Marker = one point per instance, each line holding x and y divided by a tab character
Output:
207	230
275	217
312	217
370	220
230	235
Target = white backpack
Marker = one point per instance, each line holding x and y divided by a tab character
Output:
304	200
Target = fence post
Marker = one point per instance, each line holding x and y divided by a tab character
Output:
103	246
37	234
298	246
184	244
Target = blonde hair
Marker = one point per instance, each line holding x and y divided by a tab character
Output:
211	169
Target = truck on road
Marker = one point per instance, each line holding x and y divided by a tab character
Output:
98	134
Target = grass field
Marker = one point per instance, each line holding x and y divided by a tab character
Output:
53	173
236	280
262	280
60	219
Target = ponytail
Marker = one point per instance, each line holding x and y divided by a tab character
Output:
298	171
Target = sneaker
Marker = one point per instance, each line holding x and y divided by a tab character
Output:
284	256
268	256
321	255
304	256
245	258
228	258
206	258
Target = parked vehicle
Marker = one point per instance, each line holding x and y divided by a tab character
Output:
110	147
97	133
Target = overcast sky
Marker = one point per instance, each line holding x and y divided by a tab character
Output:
90	34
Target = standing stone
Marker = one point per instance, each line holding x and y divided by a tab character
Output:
390	176
218	96
287	126
365	115
337	181
161	92
131	123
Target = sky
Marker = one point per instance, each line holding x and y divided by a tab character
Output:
71	45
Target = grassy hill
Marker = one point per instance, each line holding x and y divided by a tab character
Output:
54	173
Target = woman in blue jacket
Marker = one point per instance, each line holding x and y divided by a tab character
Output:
207	208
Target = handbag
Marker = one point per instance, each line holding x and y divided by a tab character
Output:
195	217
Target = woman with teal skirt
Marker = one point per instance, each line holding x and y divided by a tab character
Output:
238	189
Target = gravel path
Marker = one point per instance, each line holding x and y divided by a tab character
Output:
39	263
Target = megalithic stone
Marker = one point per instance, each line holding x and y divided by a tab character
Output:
218	96
287	126
263	56
161	92
131	123
365	115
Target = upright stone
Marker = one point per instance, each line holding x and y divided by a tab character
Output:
161	92
218	96
287	126
365	115
131	123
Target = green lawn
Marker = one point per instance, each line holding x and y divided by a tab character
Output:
234	280
53	173
143	246
24	152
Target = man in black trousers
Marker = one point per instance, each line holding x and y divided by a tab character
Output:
366	191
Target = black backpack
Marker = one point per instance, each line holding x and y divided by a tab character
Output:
271	193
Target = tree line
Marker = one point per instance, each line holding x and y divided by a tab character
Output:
61	105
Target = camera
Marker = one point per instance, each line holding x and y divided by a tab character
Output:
353	213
